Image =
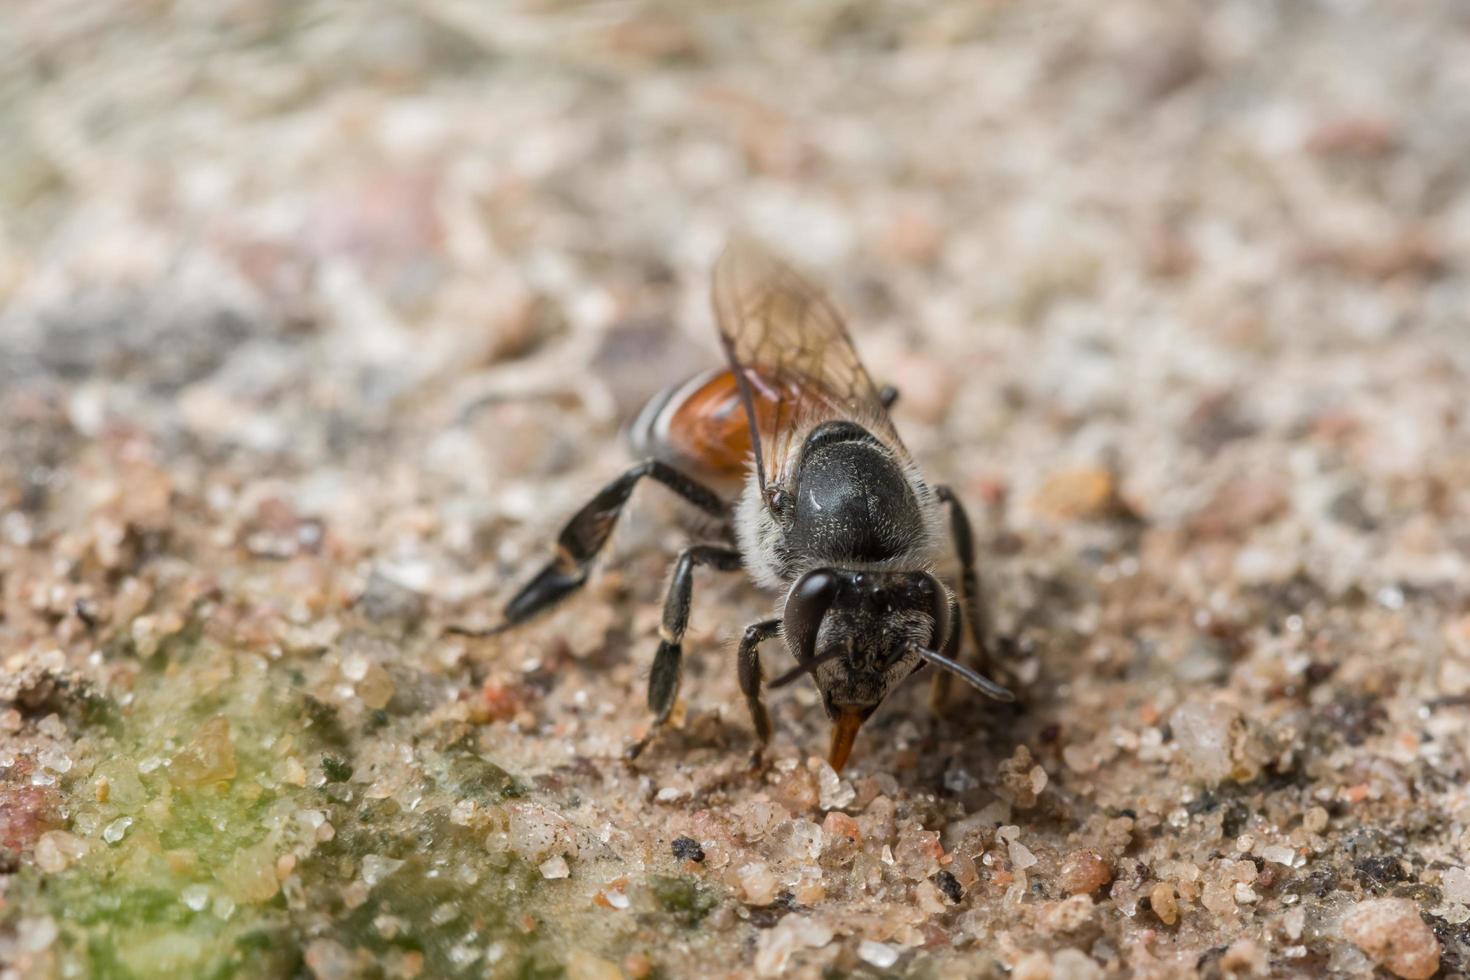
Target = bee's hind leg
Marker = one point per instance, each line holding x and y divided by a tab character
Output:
748	663
663	679
584	535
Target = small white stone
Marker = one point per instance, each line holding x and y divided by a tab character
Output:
355	667
759	885
833	792
36	935
196	897
55	760
375	868
880	955
117	830
555	867
1455	885
1038	779
792	933
1021	856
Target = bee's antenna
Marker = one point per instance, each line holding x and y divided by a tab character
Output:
983	684
810	667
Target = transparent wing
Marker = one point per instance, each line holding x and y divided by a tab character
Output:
792	356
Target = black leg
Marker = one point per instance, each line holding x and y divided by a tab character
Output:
663	679
748	662
888	395
964	544
586	533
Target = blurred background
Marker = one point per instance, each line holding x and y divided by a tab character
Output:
270	212
272	227
333	311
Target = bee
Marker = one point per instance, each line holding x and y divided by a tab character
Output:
791	449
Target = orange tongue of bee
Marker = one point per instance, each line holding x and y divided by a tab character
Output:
844	733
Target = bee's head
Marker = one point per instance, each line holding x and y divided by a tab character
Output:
859	634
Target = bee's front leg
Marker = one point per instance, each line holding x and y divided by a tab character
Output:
970	595
748	664
663	679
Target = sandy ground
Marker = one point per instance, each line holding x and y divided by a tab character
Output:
317	322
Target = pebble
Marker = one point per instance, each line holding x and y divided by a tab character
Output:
196	897
839	825
797	790
534	831
918	854
117	830
1209	738
1454	884
208	758
375	688
834	792
1068	915
376	867
583	965
384	600
793	933
758	883
1021	856
880	955
1164	904
949	885
1391	933
687	849
1077	495
1083	872
555	867
36	934
54	759
56	850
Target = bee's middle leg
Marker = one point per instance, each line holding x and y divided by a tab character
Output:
663	679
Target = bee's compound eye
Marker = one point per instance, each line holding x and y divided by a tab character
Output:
806	604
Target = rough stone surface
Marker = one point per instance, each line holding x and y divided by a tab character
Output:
317	320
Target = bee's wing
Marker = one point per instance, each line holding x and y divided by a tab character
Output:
792	356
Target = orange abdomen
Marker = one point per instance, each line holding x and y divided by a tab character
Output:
701	425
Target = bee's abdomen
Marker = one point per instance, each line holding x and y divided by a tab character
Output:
699	426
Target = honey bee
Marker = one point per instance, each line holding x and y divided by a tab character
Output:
791	448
